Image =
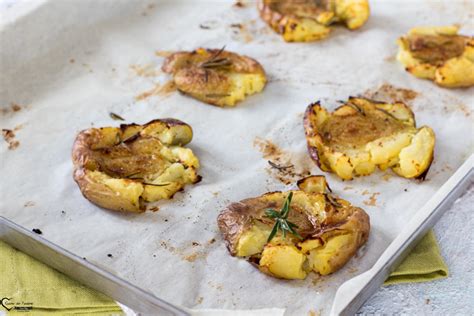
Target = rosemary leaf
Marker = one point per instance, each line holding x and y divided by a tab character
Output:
281	222
116	117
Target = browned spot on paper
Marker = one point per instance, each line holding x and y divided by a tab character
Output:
187	252
242	31
148	93
13	108
154	209
148	8
191	258
199	300
148	70
286	167
9	137
163	53
390	59
465	109
427	301
29	203
239	4
372	201
390	94
210	242
387	177
163	90
167	88
195	256
72	61
267	148
348	188
216	286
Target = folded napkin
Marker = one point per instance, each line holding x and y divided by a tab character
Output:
424	263
27	285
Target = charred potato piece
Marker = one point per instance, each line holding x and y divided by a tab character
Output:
363	134
331	231
217	77
438	54
123	168
307	20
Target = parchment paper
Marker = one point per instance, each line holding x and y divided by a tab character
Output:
65	65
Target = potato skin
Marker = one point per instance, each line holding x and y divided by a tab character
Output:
222	84
352	143
111	164
438	54
305	21
316	218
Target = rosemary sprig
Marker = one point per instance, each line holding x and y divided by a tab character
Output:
157	185
387	113
215	62
356	107
332	200
116	117
281	220
278	167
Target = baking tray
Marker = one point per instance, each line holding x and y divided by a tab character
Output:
100	57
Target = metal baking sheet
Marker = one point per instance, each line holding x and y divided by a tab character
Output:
105	56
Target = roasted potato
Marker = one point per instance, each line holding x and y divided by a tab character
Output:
330	231
123	168
307	20
438	54
217	77
363	134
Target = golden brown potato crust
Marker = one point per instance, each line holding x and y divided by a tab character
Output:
238	216
217	77
317	216
307	20
364	134
122	168
439	54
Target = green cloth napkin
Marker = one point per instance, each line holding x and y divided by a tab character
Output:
29	287
423	264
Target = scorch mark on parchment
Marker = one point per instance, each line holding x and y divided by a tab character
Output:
284	166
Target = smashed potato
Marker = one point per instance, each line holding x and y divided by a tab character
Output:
438	54
123	168
217	77
330	231
363	134
307	20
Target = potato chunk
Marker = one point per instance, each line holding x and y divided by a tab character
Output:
217	77
438	54
330	231
326	259
305	21
363	134
122	168
283	261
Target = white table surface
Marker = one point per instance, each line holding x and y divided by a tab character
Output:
451	296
